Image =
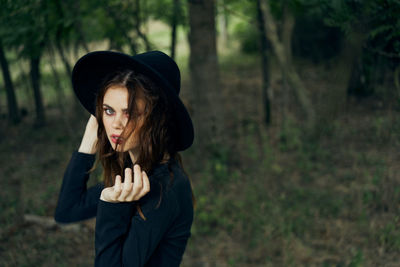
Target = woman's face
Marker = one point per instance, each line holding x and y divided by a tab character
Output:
115	117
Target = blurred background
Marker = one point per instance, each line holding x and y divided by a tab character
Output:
296	110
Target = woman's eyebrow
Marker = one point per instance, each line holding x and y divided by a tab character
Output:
108	106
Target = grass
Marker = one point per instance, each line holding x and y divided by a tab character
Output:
332	201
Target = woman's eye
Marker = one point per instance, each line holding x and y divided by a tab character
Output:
108	111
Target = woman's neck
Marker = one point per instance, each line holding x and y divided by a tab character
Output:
134	155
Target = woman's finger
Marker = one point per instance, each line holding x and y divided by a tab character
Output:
137	184
117	187
127	185
146	184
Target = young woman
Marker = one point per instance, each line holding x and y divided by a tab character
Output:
144	207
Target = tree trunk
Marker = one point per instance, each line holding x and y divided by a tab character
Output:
290	74
13	112
287	32
78	25
264	47
352	55
204	73
138	24
59	35
35	79
333	101
57	86
174	24
396	80
223	24
64	59
26	86
356	86
60	95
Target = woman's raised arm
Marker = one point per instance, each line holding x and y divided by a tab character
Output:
89	140
76	202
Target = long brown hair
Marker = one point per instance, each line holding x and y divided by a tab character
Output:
156	136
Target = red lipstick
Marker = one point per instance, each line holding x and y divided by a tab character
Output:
116	139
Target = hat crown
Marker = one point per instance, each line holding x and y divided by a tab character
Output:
165	66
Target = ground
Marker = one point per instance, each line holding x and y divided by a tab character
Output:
267	197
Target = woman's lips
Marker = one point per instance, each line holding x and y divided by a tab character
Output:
116	139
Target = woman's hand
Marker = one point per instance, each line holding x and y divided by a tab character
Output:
89	140
127	191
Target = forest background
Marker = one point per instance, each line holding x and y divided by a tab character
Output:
296	110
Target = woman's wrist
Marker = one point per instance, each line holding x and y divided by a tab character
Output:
104	199
88	146
89	140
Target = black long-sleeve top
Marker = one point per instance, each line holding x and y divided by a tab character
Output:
123	238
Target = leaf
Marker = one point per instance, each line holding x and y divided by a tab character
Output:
379	30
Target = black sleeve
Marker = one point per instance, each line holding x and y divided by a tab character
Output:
76	202
123	238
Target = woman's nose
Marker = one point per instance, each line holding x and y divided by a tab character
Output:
118	122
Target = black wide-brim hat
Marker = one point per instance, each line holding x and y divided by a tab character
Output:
89	73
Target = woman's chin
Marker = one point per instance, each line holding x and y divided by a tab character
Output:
118	148
115	147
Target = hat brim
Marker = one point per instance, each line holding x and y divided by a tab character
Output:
90	71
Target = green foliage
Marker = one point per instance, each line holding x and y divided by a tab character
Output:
248	35
163	10
377	19
389	235
23	24
241	17
290	136
357	259
313	39
30	26
211	205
